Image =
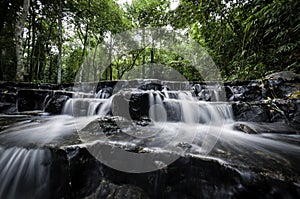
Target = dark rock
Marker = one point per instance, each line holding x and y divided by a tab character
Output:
7	101
128	191
109	126
250	92
7	107
74	173
85	172
196	88
28	100
262	127
151	86
104	93
284	75
59	175
178	85
134	106
107	84
113	191
131	106
191	177
205	94
250	112
281	85
286	111
56	103
244	128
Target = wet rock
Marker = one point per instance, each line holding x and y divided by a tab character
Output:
205	94
108	84
250	112
244	128
7	101
28	100
284	75
59	175
250	92
73	172
56	103
208	92
151	86
281	84
85	172
109	126
280	128
196	88
274	86
104	93
7	96
117	128
285	111
294	116
134	106
131	106
178	85
192	177
7	107
128	191
112	191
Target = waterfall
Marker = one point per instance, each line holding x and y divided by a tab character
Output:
160	121
157	111
104	93
189	109
68	107
24	173
182	104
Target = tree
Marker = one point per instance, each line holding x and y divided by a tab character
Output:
247	39
19	40
92	20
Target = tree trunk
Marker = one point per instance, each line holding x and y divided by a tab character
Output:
143	58
152	63
19	40
32	58
94	63
81	69
110	58
59	62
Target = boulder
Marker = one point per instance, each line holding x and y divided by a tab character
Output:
286	111
187	177
32	99
56	103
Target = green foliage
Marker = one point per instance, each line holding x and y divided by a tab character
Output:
246	39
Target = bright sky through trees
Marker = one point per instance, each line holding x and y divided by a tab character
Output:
173	6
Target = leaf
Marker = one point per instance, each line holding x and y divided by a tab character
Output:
295	95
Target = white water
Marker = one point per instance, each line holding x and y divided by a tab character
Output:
39	131
207	127
24	173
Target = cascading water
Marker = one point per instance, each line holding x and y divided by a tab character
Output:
175	119
24	173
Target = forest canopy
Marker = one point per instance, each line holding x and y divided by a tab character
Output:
48	41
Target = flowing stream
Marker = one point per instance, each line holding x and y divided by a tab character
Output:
175	118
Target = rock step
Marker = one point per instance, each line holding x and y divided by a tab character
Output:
74	173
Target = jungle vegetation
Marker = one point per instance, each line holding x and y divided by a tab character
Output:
48	41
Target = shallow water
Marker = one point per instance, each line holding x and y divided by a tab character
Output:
204	130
